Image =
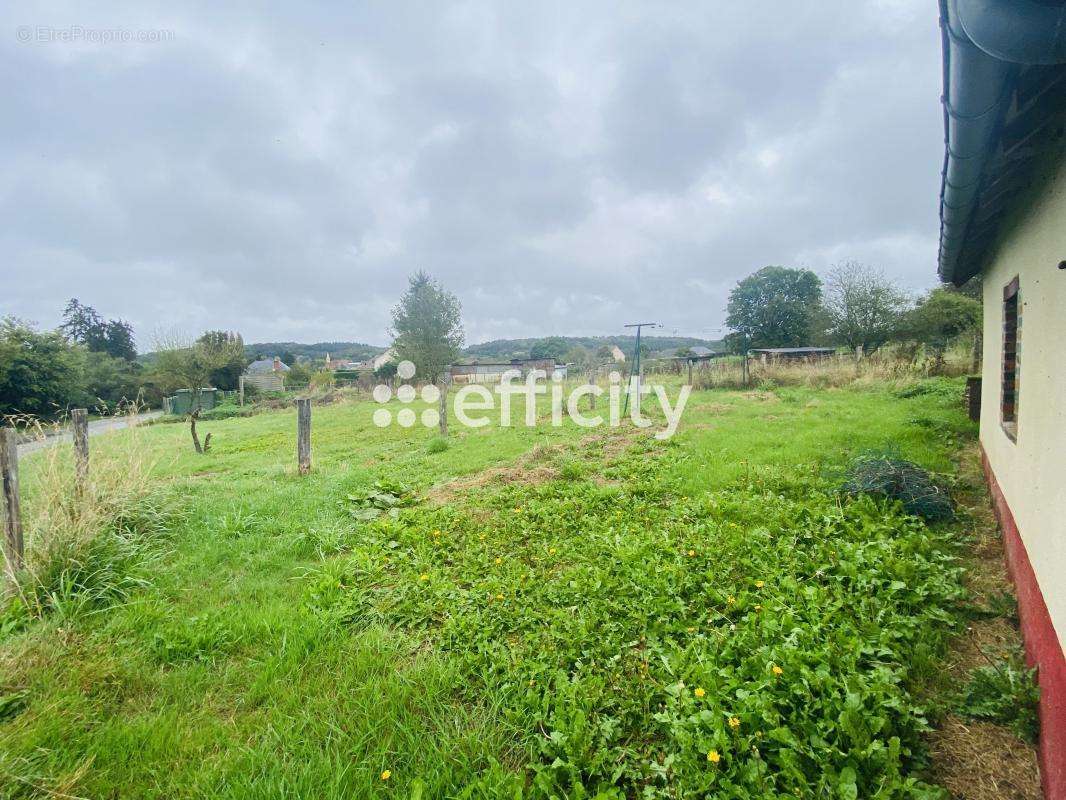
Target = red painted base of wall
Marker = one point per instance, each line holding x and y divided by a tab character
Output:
1042	648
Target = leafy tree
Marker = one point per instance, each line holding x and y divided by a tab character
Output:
83	325
39	372
386	371
864	308
427	326
108	381
225	349
299	375
180	365
736	343
552	347
118	340
579	357
941	317
775	307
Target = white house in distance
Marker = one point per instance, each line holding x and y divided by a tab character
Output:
381	359
1003	218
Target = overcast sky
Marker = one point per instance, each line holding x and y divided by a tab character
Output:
563	168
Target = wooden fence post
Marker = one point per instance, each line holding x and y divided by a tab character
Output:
9	503
303	434
443	412
79	422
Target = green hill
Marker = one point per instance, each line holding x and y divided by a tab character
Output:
353	350
506	349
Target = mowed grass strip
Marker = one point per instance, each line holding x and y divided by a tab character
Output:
641	618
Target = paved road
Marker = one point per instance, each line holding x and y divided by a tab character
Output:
96	426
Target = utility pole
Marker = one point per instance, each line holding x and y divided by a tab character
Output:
636	361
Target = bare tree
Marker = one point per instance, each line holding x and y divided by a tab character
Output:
864	307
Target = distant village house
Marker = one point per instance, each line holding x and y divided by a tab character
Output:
266	374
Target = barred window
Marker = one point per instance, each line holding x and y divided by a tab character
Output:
1012	318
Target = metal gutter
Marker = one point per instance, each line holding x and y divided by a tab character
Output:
986	43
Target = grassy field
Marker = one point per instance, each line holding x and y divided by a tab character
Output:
558	612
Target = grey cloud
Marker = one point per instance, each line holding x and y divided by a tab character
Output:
562	167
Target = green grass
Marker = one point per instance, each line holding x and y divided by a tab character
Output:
540	635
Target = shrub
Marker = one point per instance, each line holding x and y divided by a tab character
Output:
900	480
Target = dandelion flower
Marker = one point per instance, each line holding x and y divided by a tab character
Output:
386	774
699	692
734	723
777	670
713	757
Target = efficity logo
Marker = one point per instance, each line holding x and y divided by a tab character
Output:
479	399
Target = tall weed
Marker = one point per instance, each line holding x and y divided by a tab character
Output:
88	544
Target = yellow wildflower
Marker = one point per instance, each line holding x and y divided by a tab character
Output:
713	757
386	775
699	692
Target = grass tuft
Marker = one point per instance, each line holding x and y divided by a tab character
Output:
1005	692
90	544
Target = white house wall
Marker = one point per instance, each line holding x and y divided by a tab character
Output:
1032	471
